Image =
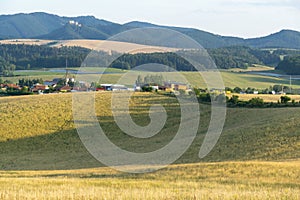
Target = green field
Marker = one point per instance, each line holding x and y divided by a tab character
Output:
230	78
42	157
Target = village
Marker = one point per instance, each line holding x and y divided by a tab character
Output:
147	84
63	85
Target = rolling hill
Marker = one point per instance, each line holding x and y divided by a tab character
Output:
32	143
48	26
283	39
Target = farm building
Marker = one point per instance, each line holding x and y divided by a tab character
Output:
175	86
64	89
39	88
10	86
113	87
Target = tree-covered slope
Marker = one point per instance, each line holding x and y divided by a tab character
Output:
282	39
28	25
290	65
72	31
23	56
43	24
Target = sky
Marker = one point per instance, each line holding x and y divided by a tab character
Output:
242	18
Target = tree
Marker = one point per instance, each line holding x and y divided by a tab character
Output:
147	89
6	68
256	102
228	89
204	97
139	80
237	90
285	99
234	99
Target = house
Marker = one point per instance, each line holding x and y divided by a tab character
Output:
64	88
137	88
100	89
163	88
79	89
107	87
10	86
117	87
39	88
52	83
282	93
175	86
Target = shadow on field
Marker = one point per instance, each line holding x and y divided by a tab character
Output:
62	150
249	134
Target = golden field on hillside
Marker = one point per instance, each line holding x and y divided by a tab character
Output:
42	157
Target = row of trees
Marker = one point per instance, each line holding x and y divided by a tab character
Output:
29	82
34	57
225	58
172	60
257	102
149	79
242	57
274	88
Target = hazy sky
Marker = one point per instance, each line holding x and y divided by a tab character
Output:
244	18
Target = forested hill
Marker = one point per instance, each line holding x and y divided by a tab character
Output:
290	65
37	57
49	26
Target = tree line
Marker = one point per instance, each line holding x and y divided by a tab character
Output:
40	56
20	56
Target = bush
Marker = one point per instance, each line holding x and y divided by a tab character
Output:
204	97
284	99
234	99
256	102
147	89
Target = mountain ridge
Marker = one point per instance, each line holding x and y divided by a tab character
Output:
41	25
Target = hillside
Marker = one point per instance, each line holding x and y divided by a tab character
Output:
72	31
29	25
36	54
33	143
290	65
283	39
48	26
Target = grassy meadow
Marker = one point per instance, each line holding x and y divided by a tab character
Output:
42	157
229	180
233	78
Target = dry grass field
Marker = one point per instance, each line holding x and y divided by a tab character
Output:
42	157
226	180
101	45
265	97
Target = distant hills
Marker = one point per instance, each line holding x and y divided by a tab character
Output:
48	26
